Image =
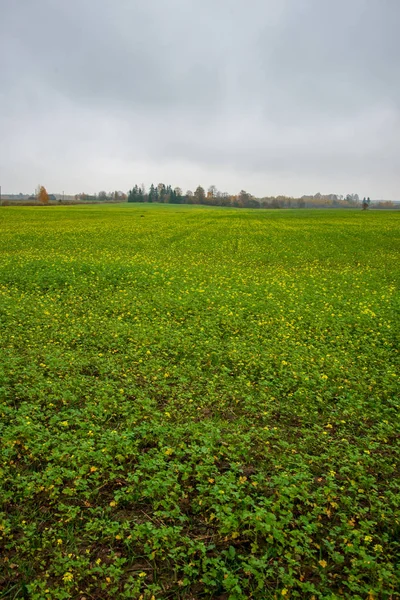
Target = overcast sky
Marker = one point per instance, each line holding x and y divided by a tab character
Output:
274	96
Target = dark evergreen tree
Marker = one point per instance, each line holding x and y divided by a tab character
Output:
133	194
152	194
161	192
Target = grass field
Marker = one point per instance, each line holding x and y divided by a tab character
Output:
199	403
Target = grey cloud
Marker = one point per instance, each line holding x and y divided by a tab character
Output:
102	93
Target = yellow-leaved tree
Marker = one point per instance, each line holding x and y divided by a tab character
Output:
43	196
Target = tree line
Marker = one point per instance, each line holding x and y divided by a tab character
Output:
166	194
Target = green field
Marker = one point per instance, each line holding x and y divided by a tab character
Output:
199	403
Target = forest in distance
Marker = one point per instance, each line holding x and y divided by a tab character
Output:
213	197
166	194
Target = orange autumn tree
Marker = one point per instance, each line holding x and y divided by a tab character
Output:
43	196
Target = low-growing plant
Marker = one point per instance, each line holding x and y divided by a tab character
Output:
200	403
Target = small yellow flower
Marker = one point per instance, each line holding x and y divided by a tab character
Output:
284	592
59	541
211	480
93	469
113	503
68	577
323	563
118	537
169	451
368	538
142	574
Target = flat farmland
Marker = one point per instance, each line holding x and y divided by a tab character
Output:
199	403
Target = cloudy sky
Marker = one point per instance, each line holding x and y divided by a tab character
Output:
273	96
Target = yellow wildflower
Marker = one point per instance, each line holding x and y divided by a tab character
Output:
323	563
